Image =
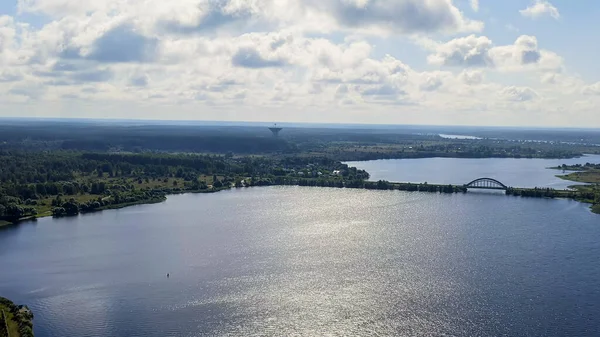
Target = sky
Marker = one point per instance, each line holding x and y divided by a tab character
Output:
436	62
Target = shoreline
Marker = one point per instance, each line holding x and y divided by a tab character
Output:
572	192
5	223
369	185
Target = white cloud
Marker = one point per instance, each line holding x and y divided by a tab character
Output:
474	5
540	8
593	89
470	51
518	94
432	82
400	16
479	52
204	16
471	77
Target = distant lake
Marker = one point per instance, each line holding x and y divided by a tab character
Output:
301	261
512	172
458	137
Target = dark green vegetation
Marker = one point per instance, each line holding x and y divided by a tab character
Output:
590	175
15	320
578	167
63	183
342	144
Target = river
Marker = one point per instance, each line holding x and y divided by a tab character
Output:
302	261
457	171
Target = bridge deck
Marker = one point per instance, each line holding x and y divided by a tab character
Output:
487	188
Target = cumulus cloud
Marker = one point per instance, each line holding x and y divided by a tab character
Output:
251	58
470	51
474	5
593	89
139	80
384	90
8	75
27	90
479	52
123	44
341	91
401	16
540	8
518	94
529	49
204	16
101	75
471	77
210	15
431	83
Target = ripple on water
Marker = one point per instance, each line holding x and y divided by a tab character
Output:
312	262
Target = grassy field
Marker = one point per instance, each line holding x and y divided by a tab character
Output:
44	206
13	327
589	176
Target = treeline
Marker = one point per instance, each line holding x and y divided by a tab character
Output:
102	137
579	167
587	194
425	187
354	154
543	193
72	207
28	180
22	167
245	140
44	169
359	183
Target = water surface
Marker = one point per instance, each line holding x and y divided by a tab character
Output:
457	171
303	261
463	137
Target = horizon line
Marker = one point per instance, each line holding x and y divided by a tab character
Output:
270	123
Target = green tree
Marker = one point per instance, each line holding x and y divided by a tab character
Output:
71	207
14	211
58	212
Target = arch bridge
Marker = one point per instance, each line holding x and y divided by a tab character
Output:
486	183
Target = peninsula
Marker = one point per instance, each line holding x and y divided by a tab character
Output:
589	174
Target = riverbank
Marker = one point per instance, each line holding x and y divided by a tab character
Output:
579	194
94	203
15	320
589	175
156	200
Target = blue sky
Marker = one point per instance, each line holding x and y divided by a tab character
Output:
510	62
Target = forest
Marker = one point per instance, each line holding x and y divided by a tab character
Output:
342	144
62	183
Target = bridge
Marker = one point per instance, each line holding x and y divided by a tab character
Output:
486	183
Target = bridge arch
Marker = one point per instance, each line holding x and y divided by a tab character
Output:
486	183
